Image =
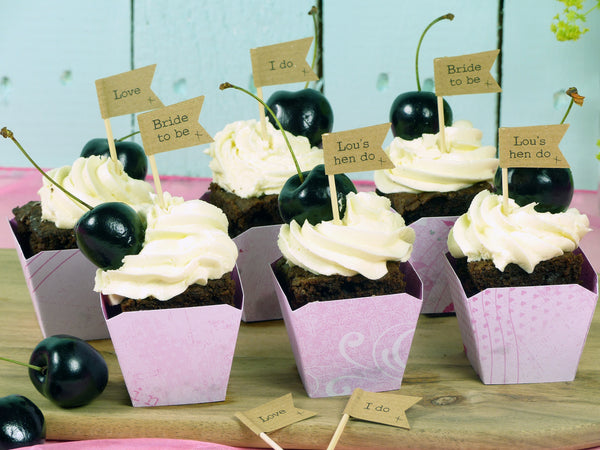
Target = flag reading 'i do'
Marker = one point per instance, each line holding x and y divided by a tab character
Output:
282	63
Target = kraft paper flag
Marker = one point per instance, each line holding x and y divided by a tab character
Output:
380	407
465	74
273	415
127	93
282	63
173	127
356	150
534	146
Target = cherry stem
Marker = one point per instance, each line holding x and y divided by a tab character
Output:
226	85
448	16
575	98
9	134
568	110
31	366
313	13
128	136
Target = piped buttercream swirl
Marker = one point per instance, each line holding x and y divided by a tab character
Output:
186	242
422	166
250	165
94	180
515	234
369	235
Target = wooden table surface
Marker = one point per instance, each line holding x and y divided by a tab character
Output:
457	410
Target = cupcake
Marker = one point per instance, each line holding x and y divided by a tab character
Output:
430	188
249	171
60	279
47	224
175	305
350	300
524	292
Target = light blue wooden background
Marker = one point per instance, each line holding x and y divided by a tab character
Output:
52	52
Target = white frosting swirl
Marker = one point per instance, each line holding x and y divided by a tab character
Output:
518	235
186	243
369	235
249	165
421	166
94	180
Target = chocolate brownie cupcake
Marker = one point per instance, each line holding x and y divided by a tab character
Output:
430	182
187	260
358	257
36	234
48	224
249	171
302	286
516	246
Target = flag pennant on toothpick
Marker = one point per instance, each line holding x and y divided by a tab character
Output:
532	146
354	150
173	127
272	416
464	74
280	64
380	407
170	128
125	93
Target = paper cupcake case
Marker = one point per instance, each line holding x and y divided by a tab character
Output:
257	250
175	356
340	345
532	334
61	286
427	258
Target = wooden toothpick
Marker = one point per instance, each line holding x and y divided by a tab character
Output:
440	105
111	140
338	432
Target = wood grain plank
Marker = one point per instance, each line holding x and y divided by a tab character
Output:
457	410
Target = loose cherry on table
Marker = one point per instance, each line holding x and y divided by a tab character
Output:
66	370
131	155
416	112
106	233
73	372
303	113
22	424
310	199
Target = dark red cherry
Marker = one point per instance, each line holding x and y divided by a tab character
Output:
131	155
311	200
551	188
107	233
22	424
73	372
416	112
302	113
